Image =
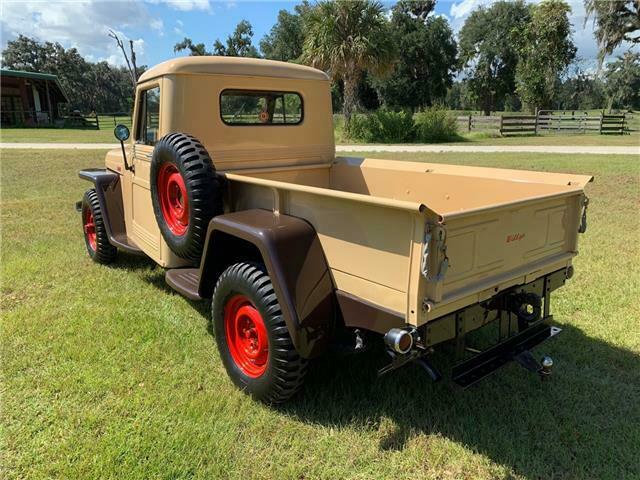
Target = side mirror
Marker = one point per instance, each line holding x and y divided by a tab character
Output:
121	132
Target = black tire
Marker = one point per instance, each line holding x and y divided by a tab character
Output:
193	163
98	246
284	369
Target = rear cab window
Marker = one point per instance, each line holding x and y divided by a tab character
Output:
252	107
149	117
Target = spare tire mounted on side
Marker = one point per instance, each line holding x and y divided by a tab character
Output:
185	193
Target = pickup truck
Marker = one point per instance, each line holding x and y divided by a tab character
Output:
230	181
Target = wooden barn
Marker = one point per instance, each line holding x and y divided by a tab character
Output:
30	99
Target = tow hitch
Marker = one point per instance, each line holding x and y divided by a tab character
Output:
515	348
526	360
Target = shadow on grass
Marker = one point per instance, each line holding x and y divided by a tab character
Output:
582	423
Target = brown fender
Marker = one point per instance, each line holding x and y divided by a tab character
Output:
291	251
109	193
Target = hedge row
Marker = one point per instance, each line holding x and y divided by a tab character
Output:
386	126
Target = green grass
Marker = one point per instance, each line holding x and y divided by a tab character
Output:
56	135
108	374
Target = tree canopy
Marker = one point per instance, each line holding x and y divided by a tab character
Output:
285	40
616	21
89	86
346	38
238	44
425	69
623	81
546	50
487	54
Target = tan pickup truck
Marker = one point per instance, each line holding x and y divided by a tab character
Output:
230	181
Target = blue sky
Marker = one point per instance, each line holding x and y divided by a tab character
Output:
156	25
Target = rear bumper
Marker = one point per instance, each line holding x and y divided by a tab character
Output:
485	363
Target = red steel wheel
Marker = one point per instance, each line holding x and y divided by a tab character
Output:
174	202
246	336
252	336
90	229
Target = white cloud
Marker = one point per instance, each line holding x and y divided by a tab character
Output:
185	5
82	24
178	28
158	25
462	9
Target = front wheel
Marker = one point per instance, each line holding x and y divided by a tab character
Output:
95	233
252	337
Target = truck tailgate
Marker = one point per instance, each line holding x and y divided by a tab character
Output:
492	245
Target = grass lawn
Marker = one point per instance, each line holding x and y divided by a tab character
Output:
56	135
108	374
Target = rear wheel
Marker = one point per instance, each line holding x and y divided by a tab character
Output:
95	234
252	337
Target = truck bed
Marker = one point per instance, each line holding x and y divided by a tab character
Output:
494	227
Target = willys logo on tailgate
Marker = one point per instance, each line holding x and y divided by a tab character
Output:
515	237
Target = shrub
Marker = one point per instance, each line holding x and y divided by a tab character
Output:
383	126
435	125
358	128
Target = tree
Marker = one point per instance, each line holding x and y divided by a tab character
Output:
487	53
623	81
346	38
546	50
129	59
195	49
581	91
90	86
425	69
238	44
286	38
616	21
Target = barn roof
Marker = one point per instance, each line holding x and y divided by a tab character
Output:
35	76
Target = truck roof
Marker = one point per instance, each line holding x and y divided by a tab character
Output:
247	67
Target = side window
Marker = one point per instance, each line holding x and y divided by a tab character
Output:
245	107
149	117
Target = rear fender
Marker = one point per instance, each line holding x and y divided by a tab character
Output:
295	262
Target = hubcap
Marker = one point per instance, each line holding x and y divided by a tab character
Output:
174	202
90	229
246	336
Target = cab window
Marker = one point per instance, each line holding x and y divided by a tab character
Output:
246	107
149	117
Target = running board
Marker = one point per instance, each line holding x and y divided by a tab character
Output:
479	366
185	281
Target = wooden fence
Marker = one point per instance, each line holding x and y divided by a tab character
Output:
545	121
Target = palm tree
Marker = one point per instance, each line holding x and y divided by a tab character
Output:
346	38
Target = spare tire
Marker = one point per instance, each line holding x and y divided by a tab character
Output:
185	192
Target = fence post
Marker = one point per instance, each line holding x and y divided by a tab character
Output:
97	122
501	122
469	122
535	130
601	120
